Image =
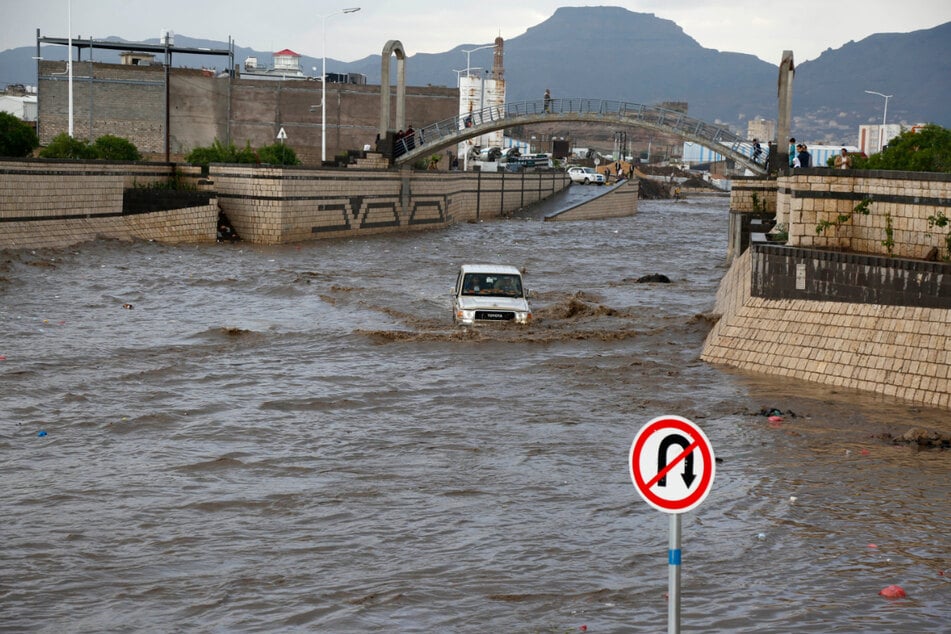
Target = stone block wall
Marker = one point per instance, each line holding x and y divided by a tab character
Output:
901	203
616	202
194	224
896	351
273	205
45	203
751	194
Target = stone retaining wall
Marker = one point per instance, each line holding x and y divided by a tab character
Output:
59	203
273	205
900	205
896	351
193	224
616	202
752	194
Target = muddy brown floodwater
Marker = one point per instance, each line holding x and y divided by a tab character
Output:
296	438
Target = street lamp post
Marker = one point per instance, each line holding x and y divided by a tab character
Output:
469	52
323	81
881	132
473	50
69	63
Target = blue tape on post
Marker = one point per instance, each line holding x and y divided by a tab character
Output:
673	557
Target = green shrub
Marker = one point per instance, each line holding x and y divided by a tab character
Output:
203	156
278	154
64	146
17	139
219	153
113	148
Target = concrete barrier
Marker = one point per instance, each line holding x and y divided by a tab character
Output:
616	201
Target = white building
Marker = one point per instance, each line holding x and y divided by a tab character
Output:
286	66
23	108
482	99
872	138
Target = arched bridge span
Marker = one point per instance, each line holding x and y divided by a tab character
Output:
438	136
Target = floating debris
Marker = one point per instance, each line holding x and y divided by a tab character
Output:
893	592
655	278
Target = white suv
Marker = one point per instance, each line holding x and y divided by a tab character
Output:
585	175
486	293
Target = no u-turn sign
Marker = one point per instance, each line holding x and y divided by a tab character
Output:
672	464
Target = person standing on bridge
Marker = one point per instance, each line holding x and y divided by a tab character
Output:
547	100
843	161
803	158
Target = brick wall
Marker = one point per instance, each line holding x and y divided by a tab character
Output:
261	108
129	101
897	351
615	202
125	101
278	205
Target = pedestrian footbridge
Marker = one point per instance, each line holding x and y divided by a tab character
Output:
435	137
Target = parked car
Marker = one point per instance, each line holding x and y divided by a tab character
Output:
585	175
489	293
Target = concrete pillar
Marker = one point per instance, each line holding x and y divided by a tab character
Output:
786	72
393	47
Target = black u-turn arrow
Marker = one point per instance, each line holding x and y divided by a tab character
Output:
675	439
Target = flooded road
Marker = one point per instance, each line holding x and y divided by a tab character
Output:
296	438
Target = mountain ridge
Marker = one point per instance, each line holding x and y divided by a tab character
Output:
616	54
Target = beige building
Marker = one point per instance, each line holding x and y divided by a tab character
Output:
762	129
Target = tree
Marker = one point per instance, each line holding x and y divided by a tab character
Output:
64	146
17	139
113	148
925	150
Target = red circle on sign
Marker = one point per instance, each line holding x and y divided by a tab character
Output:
695	436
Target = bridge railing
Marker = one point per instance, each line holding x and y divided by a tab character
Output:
716	136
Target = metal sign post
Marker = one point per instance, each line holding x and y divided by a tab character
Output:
282	135
673	582
672	466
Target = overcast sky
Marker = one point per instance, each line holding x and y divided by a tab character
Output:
760	27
